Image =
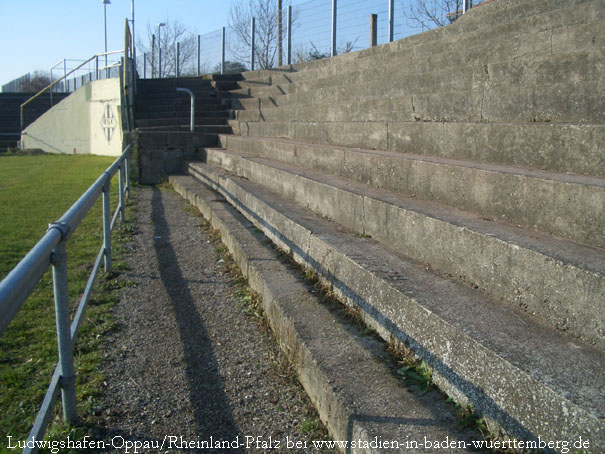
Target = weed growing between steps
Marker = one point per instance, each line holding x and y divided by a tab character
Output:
415	373
35	191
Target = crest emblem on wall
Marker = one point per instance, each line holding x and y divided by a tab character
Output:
108	122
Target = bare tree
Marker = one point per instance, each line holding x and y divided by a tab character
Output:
36	82
266	38
428	14
172	33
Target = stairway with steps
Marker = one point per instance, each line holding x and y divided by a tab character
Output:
162	121
10	114
451	187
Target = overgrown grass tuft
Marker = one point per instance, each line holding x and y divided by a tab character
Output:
34	191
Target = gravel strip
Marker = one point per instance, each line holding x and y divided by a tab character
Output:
188	361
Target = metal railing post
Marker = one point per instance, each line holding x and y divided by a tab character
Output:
192	116
391	20
334	12
252	33
223	53
121	191
199	55
177	71
68	380
64	74
107	226
127	172
289	35
145	66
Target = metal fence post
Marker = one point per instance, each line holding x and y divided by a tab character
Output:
373	29
145	66
68	379
252	30
121	191
64	74
391	20
334	11
199	55
177	71
290	35
107	226
223	53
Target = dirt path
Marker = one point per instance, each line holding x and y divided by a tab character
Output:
188	361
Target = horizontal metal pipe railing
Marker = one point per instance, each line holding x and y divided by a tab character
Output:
17	286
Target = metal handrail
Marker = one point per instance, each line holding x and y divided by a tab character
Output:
44	90
17	286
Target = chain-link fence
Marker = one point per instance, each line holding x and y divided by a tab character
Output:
314	29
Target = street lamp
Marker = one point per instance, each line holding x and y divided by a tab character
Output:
105	3
160	25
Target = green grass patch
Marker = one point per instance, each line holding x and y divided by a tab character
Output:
34	191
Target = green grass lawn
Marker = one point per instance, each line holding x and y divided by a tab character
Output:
34	191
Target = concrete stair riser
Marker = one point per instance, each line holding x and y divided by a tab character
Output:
459	244
566	206
502	391
150	115
558	148
184	121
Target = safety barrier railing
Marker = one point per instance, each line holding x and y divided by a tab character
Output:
50	251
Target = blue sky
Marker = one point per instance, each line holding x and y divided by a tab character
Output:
38	33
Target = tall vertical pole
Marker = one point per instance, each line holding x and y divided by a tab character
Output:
134	45
199	55
252	33
68	379
145	66
223	53
105	16
279	33
391	20
289	34
334	11
177	71
153	56
65	74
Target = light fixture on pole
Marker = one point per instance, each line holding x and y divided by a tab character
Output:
160	25
105	3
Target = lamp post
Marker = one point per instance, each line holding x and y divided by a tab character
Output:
105	3
160	25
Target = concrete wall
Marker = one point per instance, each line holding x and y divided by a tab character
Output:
89	121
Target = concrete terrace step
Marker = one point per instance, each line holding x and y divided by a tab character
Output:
567	293
199	120
565	205
345	374
584	68
184	113
573	148
184	126
514	370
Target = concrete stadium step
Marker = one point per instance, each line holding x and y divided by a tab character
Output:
173	83
567	292
514	370
177	99
544	74
184	126
227	77
573	148
354	389
177	107
179	121
564	205
153	114
554	103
